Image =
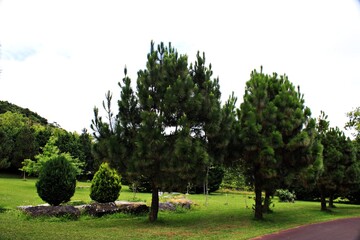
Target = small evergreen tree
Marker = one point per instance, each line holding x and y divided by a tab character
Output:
57	181
106	185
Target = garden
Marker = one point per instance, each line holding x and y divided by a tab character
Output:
227	215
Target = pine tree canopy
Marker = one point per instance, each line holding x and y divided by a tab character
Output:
277	132
168	131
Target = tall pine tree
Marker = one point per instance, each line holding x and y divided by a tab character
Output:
276	133
166	132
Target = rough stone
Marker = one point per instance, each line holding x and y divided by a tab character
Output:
100	209
94	209
173	203
167	206
51	211
134	208
184	203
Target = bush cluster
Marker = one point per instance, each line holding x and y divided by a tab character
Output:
106	185
285	195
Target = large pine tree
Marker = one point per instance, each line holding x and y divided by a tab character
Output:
168	130
277	134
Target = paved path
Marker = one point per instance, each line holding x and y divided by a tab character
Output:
341	229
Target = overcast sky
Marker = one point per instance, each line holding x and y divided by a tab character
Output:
59	57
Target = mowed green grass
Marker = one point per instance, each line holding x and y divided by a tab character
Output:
225	217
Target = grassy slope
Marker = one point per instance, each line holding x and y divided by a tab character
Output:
218	220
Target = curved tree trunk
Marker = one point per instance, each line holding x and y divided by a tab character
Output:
258	202
267	201
154	204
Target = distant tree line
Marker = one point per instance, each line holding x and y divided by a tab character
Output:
5	106
24	135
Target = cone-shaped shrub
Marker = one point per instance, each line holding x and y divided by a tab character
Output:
106	185
57	181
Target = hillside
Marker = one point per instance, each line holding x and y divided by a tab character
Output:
6	106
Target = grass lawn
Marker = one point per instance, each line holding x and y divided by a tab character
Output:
225	217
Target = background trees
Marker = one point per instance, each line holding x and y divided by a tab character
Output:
341	168
50	151
24	135
17	140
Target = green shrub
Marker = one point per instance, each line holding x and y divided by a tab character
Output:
57	181
106	185
285	195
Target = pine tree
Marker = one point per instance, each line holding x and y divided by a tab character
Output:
276	132
169	147
341	168
166	132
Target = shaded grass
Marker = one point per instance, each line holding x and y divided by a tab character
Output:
225	217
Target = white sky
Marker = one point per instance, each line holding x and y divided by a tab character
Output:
59	57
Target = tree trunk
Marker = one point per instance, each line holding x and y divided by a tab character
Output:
154	204
331	201
323	199
266	207
206	189
258	202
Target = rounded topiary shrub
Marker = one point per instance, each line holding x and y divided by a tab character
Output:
57	181
106	185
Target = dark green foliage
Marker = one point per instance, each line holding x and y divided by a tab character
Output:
106	185
169	130
354	197
354	193
79	147
85	140
305	193
140	185
341	168
285	195
5	106
277	134
24	134
234	178
215	177
57	181
68	142
25	146
17	140
111	147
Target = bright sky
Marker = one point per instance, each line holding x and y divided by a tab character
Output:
59	57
